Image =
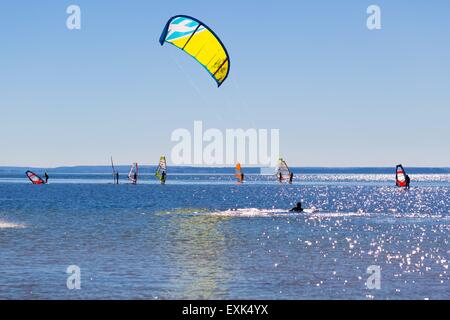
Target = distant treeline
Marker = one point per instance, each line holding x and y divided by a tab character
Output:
227	170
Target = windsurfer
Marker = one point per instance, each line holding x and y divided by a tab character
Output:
163	177
46	177
280	177
291	177
407	181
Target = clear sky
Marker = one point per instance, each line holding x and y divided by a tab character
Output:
340	94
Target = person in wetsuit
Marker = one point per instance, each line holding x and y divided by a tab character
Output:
242	177
291	177
46	177
163	177
297	208
407	180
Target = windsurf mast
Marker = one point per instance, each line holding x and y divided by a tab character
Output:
112	165
115	173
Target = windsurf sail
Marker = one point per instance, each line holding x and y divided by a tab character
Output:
283	173
161	171
133	174
200	42
239	174
34	178
400	176
115	173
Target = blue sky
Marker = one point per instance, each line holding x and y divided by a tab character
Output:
340	94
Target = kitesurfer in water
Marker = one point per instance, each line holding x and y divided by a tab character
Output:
291	177
46	177
297	208
407	181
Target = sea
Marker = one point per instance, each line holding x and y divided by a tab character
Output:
204	236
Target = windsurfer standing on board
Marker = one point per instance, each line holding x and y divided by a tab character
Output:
407	181
280	177
291	177
163	177
46	177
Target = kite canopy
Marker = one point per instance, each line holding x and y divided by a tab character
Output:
200	42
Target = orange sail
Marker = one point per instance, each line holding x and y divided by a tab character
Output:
239	174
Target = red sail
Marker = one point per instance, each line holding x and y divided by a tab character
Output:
400	176
34	178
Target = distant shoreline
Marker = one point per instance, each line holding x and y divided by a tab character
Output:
224	170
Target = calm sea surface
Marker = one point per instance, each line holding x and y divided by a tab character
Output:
205	237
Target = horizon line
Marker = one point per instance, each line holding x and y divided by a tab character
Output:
212	167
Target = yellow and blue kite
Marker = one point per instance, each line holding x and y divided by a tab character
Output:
199	41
